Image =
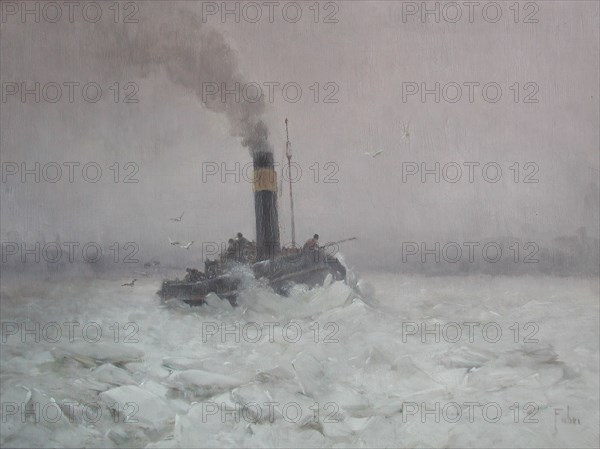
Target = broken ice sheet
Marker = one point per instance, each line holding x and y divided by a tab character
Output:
112	375
201	384
94	354
132	404
276	374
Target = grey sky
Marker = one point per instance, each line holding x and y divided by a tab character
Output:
369	53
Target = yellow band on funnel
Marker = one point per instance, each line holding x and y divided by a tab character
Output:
265	178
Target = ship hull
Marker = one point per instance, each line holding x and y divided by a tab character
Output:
310	268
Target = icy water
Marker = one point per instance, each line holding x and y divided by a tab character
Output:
407	362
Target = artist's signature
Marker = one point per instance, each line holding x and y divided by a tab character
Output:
564	416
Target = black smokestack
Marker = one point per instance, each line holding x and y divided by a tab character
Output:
265	205
265	191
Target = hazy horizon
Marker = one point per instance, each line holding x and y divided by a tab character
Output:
172	139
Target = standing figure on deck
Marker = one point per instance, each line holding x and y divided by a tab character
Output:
312	244
241	240
242	247
231	253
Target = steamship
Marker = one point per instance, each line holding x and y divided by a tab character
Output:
280	267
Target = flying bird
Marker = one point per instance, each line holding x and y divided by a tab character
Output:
374	155
129	284
173	242
405	130
178	218
406	133
188	245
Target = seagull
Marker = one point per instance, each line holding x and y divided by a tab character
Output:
174	243
374	155
178	218
405	130
406	133
188	245
129	284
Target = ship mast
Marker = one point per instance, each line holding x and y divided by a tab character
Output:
288	153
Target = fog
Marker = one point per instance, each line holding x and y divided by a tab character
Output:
174	138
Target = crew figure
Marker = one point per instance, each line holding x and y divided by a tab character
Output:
231	253
242	244
312	244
